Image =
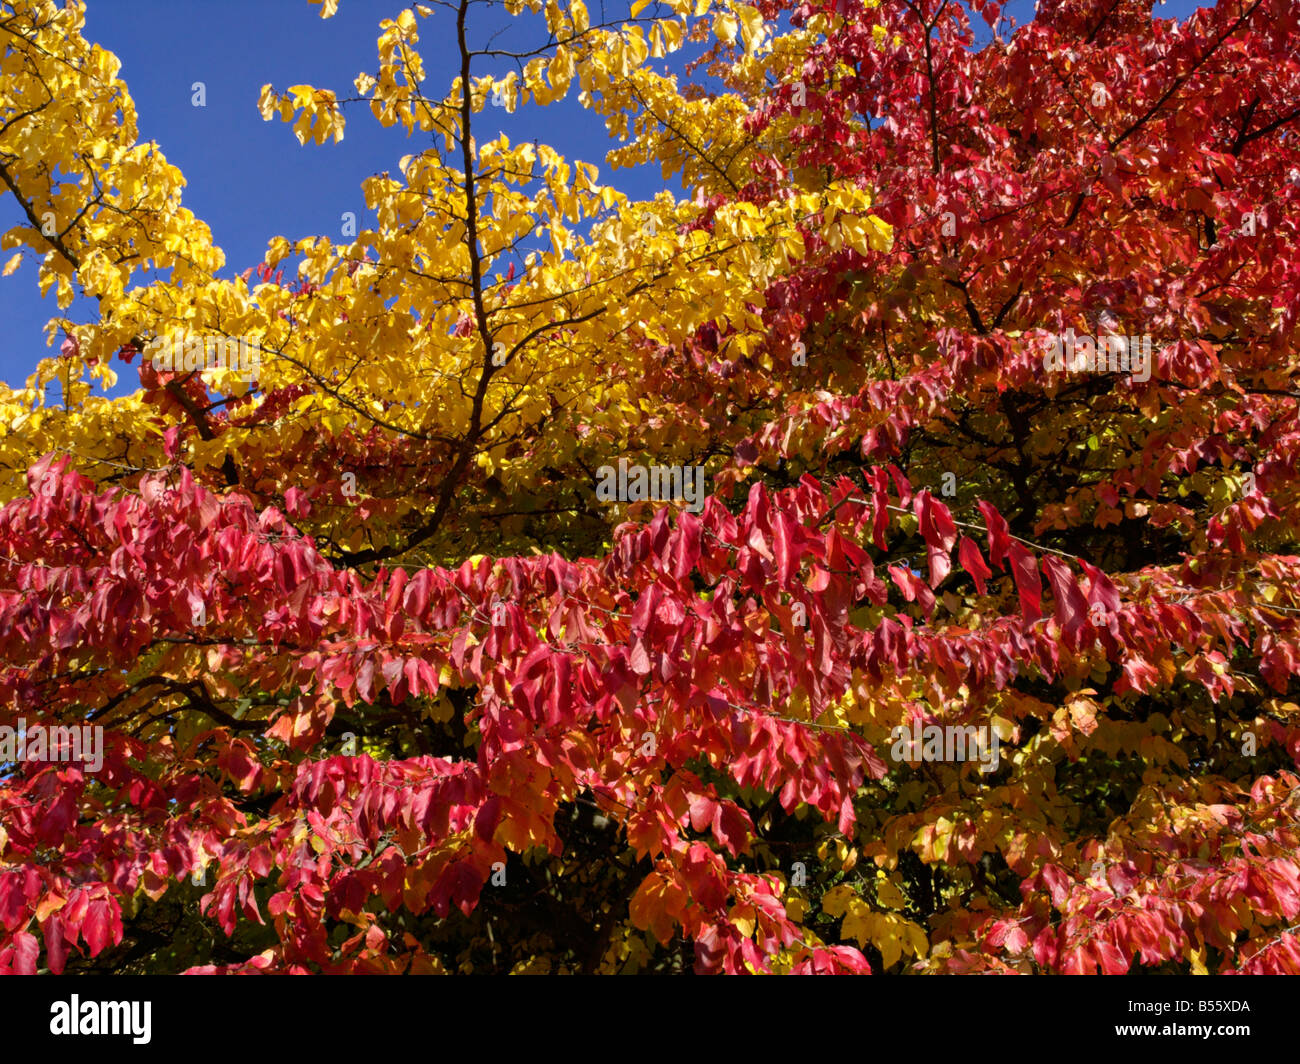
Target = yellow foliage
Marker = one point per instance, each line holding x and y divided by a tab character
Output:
409	333
891	933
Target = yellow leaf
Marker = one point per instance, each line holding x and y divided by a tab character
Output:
859	924
890	946
742	917
836	901
887	893
267	102
881	235
11	265
751	25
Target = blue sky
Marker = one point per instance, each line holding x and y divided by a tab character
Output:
250	180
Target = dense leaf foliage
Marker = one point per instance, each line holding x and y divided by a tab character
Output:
387	686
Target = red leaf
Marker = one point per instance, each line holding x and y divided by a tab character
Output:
973	562
687	552
939	532
417	594
639	660
702	811
562	686
26	950
56	948
999	534
13	900
1045	948
103	924
913	589
935	520
1113	962
732	827
1028	583
1071	606
489	815
782	550
1100	588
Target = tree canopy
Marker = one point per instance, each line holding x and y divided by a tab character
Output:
387	684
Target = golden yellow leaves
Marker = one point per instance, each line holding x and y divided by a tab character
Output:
893	934
101	277
278	249
559	72
752	30
846	223
724	27
320	116
868	234
63	111
665	37
728	20
888	892
364	83
268	103
836	853
395	339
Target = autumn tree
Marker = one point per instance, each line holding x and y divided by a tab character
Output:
385	686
